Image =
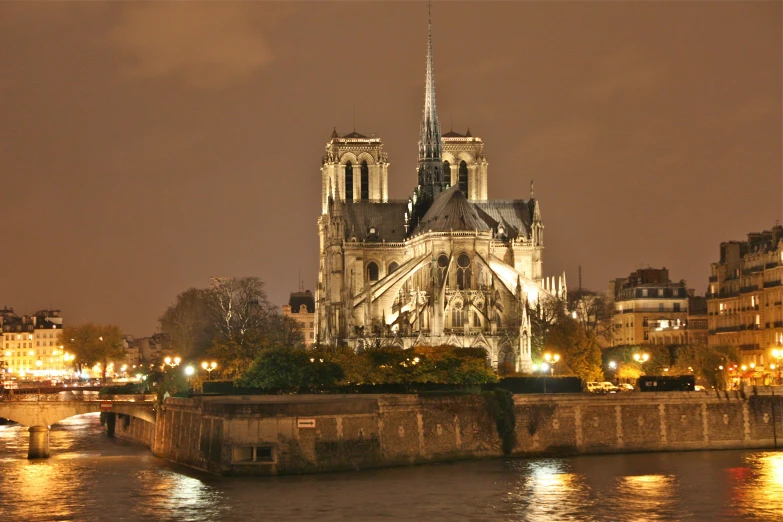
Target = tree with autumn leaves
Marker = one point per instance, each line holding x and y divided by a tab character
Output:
92	343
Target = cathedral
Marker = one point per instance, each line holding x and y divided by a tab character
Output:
445	266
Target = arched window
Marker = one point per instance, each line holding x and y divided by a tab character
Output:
443	263
463	272
447	172
393	266
348	182
365	181
456	315
372	271
463	177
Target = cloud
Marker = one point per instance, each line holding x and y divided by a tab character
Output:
622	71
205	45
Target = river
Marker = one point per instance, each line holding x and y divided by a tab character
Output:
91	477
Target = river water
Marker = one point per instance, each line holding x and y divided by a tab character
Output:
91	477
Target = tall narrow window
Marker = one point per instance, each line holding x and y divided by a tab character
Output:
456	315
443	263
463	271
372	271
348	182
447	172
463	178
365	181
393	266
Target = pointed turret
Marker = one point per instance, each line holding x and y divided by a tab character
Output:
431	178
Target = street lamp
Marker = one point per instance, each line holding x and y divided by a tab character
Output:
189	371
209	366
641	358
777	355
172	362
551	360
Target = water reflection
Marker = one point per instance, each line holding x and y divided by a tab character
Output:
91	477
547	490
648	497
758	486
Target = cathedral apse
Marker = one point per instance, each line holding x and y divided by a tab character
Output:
445	266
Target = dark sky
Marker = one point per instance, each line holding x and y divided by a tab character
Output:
145	147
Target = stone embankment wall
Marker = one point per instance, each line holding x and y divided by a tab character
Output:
303	434
135	430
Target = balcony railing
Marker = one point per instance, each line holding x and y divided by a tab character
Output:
770	284
746	289
771	265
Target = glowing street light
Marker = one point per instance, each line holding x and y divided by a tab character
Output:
189	371
172	362
641	358
551	360
211	366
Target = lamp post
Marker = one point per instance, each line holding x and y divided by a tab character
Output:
641	358
551	360
777	355
209	366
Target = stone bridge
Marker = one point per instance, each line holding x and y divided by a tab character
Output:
40	412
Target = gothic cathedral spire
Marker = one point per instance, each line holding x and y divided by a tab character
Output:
431	178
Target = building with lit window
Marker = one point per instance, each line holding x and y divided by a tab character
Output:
32	347
648	302
301	308
745	296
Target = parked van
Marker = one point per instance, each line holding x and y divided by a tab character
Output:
595	387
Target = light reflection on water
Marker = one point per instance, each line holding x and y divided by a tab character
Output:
91	477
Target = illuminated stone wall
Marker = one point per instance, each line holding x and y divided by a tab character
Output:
134	429
274	435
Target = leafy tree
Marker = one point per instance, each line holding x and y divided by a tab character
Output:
709	364
91	344
578	349
290	370
186	325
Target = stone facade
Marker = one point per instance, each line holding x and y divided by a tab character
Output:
31	345
745	297
645	302
445	266
301	308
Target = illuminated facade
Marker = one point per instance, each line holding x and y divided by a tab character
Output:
745	296
32	346
445	266
646	302
301	308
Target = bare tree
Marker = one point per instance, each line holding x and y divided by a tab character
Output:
240	309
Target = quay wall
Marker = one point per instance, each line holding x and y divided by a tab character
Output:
277	435
135	430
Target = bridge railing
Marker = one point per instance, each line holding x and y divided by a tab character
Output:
77	396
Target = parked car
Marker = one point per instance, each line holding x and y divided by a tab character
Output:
625	387
608	387
595	387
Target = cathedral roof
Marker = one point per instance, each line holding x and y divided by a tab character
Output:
388	219
514	215
355	135
452	134
451	211
298	299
